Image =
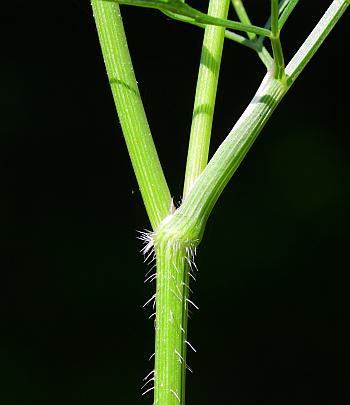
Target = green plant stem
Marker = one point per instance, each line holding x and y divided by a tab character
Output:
316	38
240	39
176	235
228	34
178	10
137	134
276	42
188	222
286	13
197	160
201	127
204	103
242	15
185	227
171	300
281	8
262	52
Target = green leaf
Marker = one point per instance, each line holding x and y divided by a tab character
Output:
179	10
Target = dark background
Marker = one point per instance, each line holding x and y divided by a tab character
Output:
273	283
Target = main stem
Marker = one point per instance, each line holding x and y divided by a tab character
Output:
171	302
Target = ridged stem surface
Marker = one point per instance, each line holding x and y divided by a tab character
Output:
171	305
204	103
132	117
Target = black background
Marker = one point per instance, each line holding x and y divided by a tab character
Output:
273	283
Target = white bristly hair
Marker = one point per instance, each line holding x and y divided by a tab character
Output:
148	251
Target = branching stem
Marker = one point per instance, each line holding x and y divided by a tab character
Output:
176	236
262	52
191	217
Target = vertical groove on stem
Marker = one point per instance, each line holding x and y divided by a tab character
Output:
172	239
136	131
170	332
198	149
204	104
276	42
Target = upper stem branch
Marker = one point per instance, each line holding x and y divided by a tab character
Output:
276	42
204	103
183	12
192	215
136	131
286	12
262	52
316	38
190	218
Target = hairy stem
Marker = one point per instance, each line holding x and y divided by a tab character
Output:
136	131
172	254
201	127
177	235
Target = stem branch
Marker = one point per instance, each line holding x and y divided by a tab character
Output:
192	215
276	42
136	131
204	103
316	38
290	5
